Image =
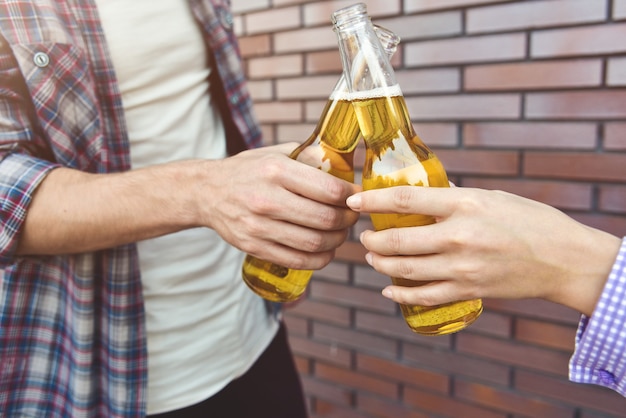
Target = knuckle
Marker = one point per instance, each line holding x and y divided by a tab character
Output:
314	243
402	197
336	190
406	270
395	240
330	218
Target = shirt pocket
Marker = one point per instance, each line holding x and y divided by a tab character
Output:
63	93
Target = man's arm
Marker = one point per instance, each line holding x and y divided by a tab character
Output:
260	201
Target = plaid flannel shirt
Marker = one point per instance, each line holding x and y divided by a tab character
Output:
72	337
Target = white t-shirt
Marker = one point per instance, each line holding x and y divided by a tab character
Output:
205	327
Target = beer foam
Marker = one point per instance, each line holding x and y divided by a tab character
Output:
388	91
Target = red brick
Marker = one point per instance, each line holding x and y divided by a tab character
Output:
297	132
425	26
297	326
616	73
517	354
261	90
586	396
322	390
563	195
280	66
302	365
455	363
318	87
328	410
350	296
438	134
534	75
579	166
336	271
412	6
313	109
394	370
249	5
251	46
323	62
523	15
350	339
619	9
530	135
396	327
377	407
318	13
613	199
479	162
534	308
507	401
429	81
545	334
465	50
320	311
577	105
448	406
492	323
366	276
278	111
477	106
615	136
321	352
305	40
615	224
272	20
356	380
586	40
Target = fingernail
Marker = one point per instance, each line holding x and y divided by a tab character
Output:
368	258
387	293
354	201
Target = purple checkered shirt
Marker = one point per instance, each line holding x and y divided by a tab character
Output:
600	355
72	334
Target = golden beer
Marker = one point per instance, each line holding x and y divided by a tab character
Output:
396	156
329	148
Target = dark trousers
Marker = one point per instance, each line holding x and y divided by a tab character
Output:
270	389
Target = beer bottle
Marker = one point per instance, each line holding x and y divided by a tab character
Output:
395	154
329	148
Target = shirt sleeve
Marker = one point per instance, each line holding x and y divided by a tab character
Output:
20	174
600	354
25	157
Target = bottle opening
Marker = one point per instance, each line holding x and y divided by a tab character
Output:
349	15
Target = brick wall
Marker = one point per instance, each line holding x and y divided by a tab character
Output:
524	96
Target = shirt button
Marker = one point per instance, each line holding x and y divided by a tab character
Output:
606	377
41	59
226	19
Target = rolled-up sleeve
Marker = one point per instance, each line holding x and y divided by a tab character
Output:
600	354
20	174
24	154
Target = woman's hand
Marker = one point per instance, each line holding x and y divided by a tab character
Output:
486	244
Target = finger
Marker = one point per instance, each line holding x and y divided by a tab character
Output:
318	185
297	237
293	208
433	201
417	240
291	258
423	268
427	295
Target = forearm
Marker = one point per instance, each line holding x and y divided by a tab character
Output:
73	211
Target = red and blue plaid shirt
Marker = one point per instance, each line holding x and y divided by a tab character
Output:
72	336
